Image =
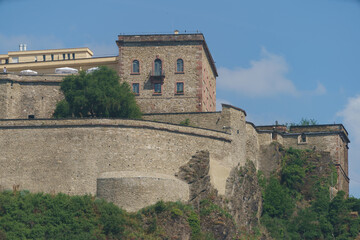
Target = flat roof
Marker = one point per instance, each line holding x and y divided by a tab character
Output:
59	50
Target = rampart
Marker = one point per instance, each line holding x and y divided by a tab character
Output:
22	97
77	156
134	162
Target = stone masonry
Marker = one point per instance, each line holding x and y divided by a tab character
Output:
198	75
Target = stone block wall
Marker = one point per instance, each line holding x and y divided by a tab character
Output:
198	76
328	142
21	96
70	156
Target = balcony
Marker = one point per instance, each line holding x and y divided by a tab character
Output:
157	75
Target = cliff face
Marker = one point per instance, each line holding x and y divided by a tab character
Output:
223	216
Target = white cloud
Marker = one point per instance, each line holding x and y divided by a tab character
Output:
265	77
320	90
351	115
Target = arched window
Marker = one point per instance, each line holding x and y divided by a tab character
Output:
135	66
157	67
179	65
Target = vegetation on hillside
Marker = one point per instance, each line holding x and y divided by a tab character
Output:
96	94
297	204
297	201
25	215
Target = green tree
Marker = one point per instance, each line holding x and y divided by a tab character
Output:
277	200
96	94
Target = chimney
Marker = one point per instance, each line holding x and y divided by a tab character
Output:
21	47
24	47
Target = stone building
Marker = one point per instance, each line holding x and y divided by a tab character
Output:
176	68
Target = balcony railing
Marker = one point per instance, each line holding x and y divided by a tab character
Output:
157	75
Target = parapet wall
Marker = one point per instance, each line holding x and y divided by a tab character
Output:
70	156
22	96
209	120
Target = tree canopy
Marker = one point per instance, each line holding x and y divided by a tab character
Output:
96	94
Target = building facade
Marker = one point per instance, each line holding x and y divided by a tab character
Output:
169	72
46	61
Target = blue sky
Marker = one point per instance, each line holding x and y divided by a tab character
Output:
279	60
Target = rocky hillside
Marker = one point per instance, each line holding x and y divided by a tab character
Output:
295	200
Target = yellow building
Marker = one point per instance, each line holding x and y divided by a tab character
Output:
46	61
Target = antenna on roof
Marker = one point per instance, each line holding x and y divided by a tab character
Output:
22	47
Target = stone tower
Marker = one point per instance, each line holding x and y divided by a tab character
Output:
169	72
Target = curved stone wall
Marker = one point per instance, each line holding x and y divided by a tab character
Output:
70	155
134	190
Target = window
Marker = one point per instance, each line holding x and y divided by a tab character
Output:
35	58
157	67
180	66
68	56
44	58
73	55
15	59
302	139
7	61
64	56
136	67
157	88
274	135
180	88
52	57
135	87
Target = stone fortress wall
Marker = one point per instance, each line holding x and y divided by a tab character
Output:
89	156
23	96
134	163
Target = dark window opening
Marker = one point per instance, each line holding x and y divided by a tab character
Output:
179	87
73	55
52	57
64	56
136	88
157	67
157	88
44	58
31	116
136	66
179	65
274	136
303	138
68	56
6	61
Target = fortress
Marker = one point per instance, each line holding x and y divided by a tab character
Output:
135	163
